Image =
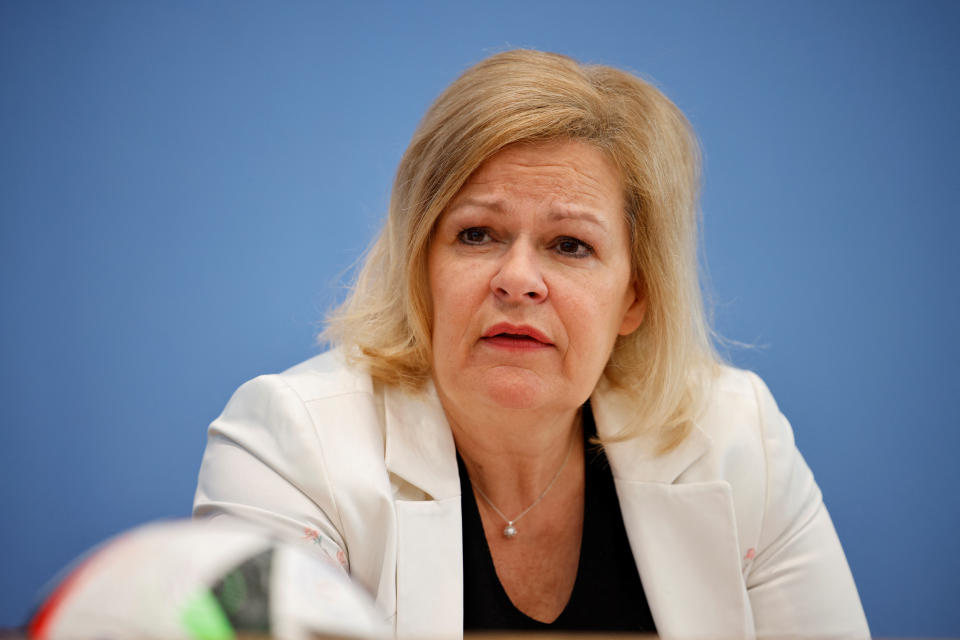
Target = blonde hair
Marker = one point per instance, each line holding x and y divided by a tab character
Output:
530	96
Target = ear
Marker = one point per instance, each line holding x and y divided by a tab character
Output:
633	316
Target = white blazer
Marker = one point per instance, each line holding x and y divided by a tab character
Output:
728	530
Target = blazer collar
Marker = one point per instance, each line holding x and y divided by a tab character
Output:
419	444
638	459
421	451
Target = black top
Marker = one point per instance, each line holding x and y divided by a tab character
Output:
607	594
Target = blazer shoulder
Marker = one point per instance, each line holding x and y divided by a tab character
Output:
323	404
739	382
781	519
326	375
309	430
299	404
740	406
751	446
302	451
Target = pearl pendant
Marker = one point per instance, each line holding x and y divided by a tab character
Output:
509	531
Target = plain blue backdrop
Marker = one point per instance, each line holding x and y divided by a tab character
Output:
184	186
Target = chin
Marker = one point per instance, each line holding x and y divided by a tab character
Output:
516	389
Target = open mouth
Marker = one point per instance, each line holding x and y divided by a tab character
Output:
516	341
516	336
513	336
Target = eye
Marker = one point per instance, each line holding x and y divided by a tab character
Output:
474	235
572	247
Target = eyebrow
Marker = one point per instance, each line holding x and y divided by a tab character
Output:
565	213
494	204
578	214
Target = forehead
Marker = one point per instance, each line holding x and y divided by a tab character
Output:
565	172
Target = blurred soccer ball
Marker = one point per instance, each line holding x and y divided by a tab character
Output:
205	580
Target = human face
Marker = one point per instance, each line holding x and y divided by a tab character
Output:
531	280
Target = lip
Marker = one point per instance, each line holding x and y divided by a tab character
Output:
516	336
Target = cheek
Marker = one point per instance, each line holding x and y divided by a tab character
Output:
594	312
445	289
456	290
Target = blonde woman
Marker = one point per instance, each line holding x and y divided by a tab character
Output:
522	423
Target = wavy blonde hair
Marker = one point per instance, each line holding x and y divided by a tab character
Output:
530	96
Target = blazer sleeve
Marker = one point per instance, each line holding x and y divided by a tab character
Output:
263	464
799	583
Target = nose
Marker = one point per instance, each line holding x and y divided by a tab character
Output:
519	278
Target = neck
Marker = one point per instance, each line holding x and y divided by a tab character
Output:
512	455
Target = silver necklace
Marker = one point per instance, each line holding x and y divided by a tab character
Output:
510	530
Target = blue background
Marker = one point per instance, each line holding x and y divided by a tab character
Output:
183	187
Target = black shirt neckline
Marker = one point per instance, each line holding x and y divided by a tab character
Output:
607	593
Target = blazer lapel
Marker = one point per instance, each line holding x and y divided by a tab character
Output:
683	538
429	569
683	535
421	455
419	445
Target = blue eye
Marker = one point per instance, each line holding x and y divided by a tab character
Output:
572	247
474	235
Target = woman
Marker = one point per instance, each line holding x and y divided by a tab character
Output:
532	296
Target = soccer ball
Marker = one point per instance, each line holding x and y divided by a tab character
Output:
205	580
